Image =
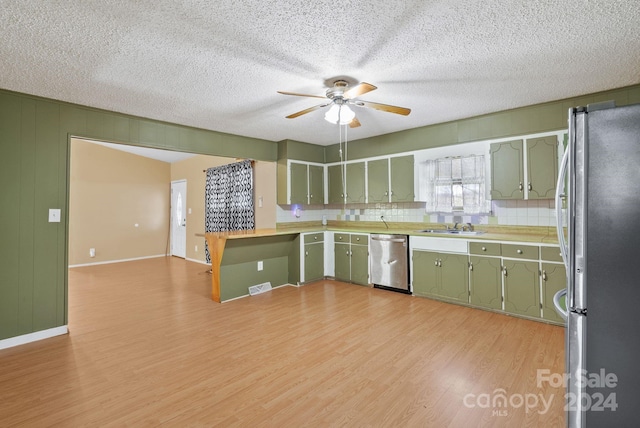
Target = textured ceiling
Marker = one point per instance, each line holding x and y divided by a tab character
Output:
218	64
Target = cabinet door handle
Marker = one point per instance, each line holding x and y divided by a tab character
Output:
520	187
504	271
471	266
544	275
529	186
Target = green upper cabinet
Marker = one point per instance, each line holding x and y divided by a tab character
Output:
396	172
542	167
316	185
378	180
306	183
335	184
298	178
355	182
509	177
402	179
507	171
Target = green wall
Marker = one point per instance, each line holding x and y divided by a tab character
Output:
34	162
550	116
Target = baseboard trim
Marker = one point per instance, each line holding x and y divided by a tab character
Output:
118	261
33	337
198	261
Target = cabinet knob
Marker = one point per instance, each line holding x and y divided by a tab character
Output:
519	251
504	271
392	193
311	196
386	193
520	187
440	263
529	186
484	248
306	253
470	266
544	275
340	238
357	239
436	262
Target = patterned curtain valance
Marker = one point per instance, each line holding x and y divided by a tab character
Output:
229	199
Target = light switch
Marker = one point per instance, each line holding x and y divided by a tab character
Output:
54	215
189	210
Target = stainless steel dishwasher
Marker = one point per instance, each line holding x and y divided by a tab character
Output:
390	262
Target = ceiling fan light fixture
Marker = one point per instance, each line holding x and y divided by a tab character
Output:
339	114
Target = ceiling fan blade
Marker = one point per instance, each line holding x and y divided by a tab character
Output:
300	95
384	107
359	89
305	111
354	123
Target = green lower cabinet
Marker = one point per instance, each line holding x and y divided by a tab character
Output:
441	275
313	262
554	279
351	263
485	281
521	288
454	277
342	261
425	273
360	264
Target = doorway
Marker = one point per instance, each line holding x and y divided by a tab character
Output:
179	218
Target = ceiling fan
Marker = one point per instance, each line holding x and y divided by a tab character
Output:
340	97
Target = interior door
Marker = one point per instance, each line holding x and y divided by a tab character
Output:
179	218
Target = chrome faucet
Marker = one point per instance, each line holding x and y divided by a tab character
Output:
455	227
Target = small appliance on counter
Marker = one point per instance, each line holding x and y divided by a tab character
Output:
390	262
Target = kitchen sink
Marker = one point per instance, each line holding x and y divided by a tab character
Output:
453	232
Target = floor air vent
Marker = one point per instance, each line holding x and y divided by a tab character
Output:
260	288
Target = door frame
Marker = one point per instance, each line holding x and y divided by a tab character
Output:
172	230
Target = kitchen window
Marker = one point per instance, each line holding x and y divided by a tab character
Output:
456	184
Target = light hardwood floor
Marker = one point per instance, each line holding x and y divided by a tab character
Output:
147	347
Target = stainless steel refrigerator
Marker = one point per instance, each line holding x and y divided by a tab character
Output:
600	242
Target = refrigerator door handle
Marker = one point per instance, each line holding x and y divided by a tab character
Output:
559	195
558	306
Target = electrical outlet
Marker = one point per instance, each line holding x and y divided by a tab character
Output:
260	265
92	252
54	215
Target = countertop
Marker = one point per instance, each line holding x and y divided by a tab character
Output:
532	234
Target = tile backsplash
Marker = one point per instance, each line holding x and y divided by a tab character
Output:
511	213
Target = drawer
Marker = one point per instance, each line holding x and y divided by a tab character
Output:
485	248
360	239
551	254
341	237
520	251
313	237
